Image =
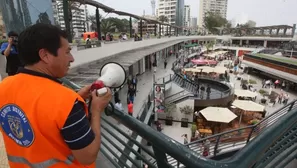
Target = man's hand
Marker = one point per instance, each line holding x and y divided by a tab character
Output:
99	103
10	40
85	92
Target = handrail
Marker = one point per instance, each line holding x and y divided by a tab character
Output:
163	145
279	113
221	94
160	142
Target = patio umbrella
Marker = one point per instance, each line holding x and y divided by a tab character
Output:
248	105
218	114
220	69
203	62
245	93
205	69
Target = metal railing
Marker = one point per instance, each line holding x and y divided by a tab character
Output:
242	136
121	142
123	150
212	95
164	80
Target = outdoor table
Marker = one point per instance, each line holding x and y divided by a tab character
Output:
205	131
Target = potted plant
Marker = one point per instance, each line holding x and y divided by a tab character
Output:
169	108
186	110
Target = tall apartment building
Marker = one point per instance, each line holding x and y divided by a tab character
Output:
173	10
193	24
187	16
78	15
219	6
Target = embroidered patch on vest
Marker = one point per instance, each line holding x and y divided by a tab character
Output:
16	125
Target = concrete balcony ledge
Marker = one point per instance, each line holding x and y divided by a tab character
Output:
87	56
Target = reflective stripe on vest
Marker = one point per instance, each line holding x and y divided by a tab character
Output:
44	164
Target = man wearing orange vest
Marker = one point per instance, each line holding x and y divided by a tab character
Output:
130	108
45	124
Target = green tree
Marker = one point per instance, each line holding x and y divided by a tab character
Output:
209	45
92	20
122	25
212	21
107	26
163	19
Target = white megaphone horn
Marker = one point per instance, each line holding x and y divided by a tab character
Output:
112	75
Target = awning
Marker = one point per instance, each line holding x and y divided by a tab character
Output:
192	55
190	45
203	62
248	105
245	93
218	114
220	69
205	69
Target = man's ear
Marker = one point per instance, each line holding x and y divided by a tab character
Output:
44	56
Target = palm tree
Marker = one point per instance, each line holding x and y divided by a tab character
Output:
107	26
163	19
209	45
92	19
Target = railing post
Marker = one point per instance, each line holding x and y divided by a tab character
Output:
291	106
164	80
250	134
160	158
217	145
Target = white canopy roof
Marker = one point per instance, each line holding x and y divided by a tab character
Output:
214	54
248	105
244	93
206	69
218	114
220	69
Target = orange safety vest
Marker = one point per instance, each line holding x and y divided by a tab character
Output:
130	108
33	111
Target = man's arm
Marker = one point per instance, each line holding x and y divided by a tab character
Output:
5	49
81	136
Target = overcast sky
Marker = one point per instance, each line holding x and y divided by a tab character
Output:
263	12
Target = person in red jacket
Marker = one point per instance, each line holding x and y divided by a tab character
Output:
130	108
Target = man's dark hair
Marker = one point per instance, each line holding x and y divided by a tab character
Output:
36	37
12	34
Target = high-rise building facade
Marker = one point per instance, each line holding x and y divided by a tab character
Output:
193	22
173	10
187	16
2	26
216	6
19	14
78	17
180	13
193	25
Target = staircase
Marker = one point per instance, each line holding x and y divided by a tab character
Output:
184	83
191	87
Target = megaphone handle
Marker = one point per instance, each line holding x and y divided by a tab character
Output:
108	112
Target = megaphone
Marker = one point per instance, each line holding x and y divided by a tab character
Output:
112	75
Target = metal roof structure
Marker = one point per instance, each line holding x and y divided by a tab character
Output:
141	18
122	13
261	28
95	4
